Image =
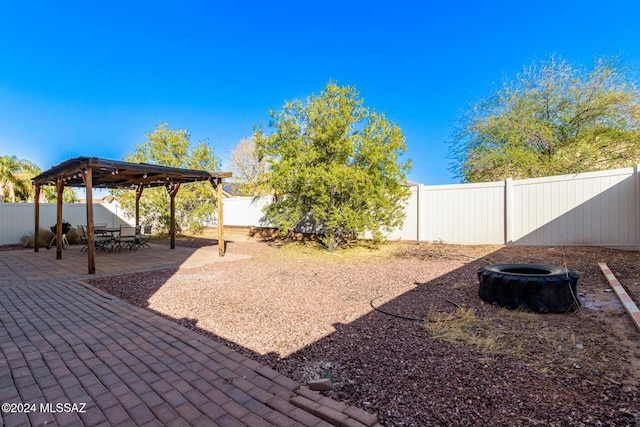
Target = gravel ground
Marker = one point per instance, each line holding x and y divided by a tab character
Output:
308	315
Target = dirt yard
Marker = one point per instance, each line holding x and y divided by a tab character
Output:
308	314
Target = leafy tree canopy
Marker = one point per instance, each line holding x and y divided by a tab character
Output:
553	118
16	184
249	171
167	147
15	179
336	162
49	194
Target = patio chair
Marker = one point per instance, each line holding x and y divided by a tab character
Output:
83	237
102	239
127	237
144	237
103	242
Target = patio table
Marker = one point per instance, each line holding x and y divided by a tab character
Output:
113	231
105	236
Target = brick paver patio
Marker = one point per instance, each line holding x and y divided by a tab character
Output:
73	355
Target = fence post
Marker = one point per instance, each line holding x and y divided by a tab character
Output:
419	210
636	173
508	210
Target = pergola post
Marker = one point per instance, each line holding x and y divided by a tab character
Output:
220	219
36	231
139	190
87	176
172	189
60	190
217	185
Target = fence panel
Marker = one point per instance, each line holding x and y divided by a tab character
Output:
18	219
410	228
463	213
244	211
596	208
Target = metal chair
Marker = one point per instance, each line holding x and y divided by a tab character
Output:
100	240
126	237
144	237
83	237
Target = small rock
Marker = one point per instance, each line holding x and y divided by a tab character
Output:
322	384
579	346
595	373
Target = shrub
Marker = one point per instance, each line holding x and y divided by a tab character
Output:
44	237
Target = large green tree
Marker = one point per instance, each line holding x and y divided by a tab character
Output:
337	163
553	118
173	148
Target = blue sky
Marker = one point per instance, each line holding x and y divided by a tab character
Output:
91	78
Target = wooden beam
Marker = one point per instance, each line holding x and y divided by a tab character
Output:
128	174
623	296
36	232
220	219
87	176
139	190
172	189
60	191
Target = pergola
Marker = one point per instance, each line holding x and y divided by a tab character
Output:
93	172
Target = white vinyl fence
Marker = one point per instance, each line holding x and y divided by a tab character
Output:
595	208
18	219
244	211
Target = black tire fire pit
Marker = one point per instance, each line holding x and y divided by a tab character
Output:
536	287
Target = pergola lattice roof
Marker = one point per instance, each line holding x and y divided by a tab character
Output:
119	174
